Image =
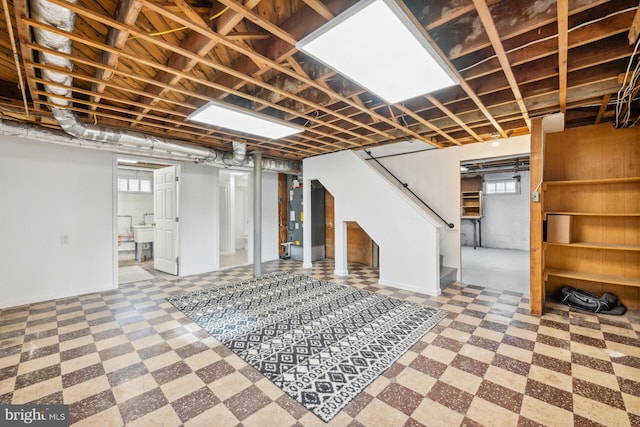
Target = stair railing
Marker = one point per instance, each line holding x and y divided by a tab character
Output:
406	186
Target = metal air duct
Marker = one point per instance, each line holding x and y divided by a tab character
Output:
122	141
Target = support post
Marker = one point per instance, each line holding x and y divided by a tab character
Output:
306	224
536	283
340	245
257	213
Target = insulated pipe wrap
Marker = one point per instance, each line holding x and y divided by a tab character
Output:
113	139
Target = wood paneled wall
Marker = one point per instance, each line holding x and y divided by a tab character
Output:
359	244
593	174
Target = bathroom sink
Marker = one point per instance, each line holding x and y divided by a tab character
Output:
143	233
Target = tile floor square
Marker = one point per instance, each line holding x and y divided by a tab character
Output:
127	356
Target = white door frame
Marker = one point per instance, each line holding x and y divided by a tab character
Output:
114	213
171	224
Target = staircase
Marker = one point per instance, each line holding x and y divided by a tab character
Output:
407	235
447	274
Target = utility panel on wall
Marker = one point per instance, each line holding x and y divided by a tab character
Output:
295	219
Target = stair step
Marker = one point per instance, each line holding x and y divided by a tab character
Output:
447	275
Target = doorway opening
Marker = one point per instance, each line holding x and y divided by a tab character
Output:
139	246
234	218
494	230
361	248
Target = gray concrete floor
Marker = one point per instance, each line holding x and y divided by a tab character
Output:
504	269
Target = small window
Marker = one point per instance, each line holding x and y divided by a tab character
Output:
502	186
134	185
145	186
123	184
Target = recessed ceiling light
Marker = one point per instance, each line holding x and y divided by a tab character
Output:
242	120
376	45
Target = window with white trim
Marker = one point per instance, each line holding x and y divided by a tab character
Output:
134	185
502	186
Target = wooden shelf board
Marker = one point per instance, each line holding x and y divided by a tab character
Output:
590	245
621	214
593	181
592	277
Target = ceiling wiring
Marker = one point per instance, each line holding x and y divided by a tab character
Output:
627	92
553	36
161	33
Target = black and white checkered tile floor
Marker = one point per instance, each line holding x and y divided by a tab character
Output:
127	356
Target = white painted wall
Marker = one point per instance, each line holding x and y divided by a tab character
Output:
269	247
434	175
199	214
406	235
136	205
495	226
270	216
506	216
506	147
49	191
240	231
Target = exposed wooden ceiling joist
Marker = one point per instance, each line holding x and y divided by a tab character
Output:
514	59
563	42
494	37
127	13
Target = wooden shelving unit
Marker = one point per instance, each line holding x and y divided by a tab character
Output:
471	204
620	214
592	174
592	277
591	181
591	245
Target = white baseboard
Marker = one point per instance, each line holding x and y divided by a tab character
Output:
416	289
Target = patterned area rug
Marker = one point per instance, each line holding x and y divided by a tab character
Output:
320	342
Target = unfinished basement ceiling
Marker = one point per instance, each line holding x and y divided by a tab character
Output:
512	164
145	66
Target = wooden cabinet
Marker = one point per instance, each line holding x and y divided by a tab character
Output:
471	204
592	174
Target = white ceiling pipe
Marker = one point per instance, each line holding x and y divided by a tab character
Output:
38	133
62	18
42	134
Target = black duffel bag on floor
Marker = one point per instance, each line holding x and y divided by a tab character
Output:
608	303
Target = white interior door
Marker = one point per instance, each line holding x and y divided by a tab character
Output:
165	204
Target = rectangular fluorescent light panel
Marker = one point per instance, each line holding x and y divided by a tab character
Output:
376	45
241	120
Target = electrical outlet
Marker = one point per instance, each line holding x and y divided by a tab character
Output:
535	197
64	239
